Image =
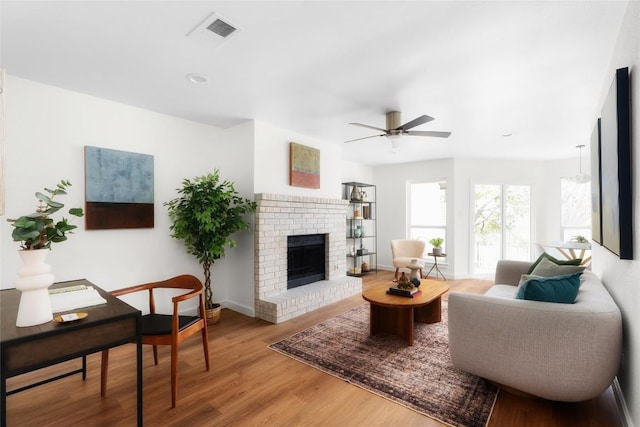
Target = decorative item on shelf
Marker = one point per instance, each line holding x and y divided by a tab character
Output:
357	232
365	267
362	251
356	213
366	212
362	230
355	270
352	251
36	232
356	195
363	195
204	216
437	242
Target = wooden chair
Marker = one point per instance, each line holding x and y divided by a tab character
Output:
167	329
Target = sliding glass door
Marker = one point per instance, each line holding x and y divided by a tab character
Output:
502	225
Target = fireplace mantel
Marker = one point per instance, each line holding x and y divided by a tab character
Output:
279	216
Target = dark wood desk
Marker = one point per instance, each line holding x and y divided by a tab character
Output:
27	349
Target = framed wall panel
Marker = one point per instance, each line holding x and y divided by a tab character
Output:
596	184
119	189
304	166
615	134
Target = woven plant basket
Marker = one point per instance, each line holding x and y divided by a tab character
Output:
213	314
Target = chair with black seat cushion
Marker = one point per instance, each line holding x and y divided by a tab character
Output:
167	329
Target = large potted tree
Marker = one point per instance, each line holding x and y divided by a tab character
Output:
204	216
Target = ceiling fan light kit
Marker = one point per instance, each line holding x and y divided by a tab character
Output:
395	130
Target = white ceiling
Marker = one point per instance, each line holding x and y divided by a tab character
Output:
484	68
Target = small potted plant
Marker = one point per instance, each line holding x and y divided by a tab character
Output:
36	232
437	242
204	216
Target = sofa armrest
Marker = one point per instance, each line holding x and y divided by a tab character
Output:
508	272
554	351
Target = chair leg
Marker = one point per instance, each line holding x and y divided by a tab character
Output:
396	276
421	275
174	374
205	345
104	368
155	354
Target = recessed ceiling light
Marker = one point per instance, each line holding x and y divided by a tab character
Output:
197	78
507	134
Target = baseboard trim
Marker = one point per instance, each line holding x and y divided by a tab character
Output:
623	410
242	309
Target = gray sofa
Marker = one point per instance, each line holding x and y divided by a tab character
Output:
563	352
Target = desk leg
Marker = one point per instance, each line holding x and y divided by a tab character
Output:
3	400
139	372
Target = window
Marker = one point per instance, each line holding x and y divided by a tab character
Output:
575	209
428	211
502	225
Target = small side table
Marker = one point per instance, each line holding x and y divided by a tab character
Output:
435	265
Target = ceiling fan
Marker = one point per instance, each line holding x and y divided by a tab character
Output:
395	129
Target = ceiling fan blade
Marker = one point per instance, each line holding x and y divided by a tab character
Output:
434	133
366	137
370	127
415	122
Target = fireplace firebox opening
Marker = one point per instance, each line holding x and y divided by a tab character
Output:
305	259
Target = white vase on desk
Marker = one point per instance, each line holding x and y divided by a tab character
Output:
34	281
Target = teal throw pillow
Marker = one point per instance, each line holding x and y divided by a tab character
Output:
560	289
546	268
554	260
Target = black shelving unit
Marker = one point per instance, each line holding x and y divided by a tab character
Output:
361	228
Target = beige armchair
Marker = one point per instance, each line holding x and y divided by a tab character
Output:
404	251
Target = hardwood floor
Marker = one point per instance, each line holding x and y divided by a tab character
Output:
251	385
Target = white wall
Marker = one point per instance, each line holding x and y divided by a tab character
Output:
461	176
272	163
622	277
355	172
232	276
46	130
56	124
391	182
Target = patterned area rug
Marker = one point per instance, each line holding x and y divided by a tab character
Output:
420	377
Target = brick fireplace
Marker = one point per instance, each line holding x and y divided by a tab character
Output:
280	216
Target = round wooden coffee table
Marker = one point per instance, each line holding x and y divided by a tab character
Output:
396	314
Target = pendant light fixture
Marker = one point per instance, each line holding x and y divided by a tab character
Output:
581	177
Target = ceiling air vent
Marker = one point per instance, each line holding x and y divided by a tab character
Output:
213	31
221	28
